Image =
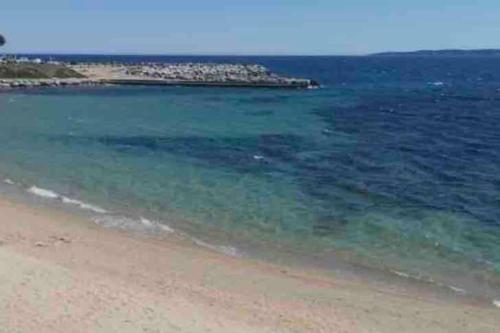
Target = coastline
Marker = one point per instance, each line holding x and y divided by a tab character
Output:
27	73
343	264
55	263
253	108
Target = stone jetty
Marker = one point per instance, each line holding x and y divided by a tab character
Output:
25	73
191	74
34	83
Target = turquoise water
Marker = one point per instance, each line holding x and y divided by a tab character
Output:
400	172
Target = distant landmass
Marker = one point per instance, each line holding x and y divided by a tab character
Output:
441	53
27	70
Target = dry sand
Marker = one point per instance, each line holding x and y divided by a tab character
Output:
101	71
60	273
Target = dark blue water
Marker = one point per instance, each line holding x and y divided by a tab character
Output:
395	161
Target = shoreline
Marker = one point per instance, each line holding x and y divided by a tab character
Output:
294	192
343	263
116	280
339	263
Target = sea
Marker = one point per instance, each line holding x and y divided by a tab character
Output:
393	164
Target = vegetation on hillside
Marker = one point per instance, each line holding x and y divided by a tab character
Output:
36	71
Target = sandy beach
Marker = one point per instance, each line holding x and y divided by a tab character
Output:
243	167
61	273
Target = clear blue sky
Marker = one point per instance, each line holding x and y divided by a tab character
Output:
248	26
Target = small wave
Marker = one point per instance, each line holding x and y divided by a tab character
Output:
146	222
258	157
83	205
402	274
429	280
147	226
116	222
437	83
156	225
165	228
140	225
9	182
48	194
457	290
144	225
227	250
496	303
43	192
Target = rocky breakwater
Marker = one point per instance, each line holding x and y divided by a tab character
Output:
31	74
193	74
34	83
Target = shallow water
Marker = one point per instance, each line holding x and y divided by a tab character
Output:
395	162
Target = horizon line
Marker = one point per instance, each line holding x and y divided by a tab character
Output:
187	54
208	54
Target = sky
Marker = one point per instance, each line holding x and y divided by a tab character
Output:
247	27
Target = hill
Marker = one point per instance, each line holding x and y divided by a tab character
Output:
444	53
36	71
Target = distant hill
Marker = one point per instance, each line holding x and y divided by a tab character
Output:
36	71
444	53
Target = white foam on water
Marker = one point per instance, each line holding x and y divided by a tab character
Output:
43	192
144	225
402	274
120	222
48	194
437	83
9	182
156	225
83	205
258	157
496	303
146	222
227	250
457	290
141	225
429	280
165	228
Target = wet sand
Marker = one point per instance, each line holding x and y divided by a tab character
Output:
61	273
